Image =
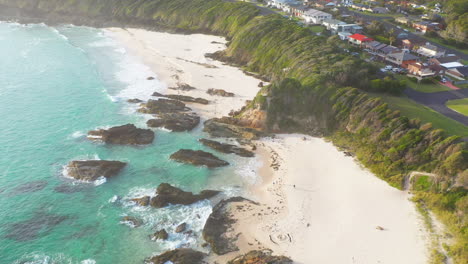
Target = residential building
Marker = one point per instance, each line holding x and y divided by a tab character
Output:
425	26
402	59
460	73
403	20
386	50
420	69
442	60
430	51
412	44
337	26
451	65
314	16
298	10
380	10
359	39
344	35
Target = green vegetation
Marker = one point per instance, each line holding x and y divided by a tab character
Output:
317	29
429	86
413	110
422	183
316	88
460	105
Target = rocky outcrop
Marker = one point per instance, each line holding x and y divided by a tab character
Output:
167	194
227	148
150	78
143	201
181	228
178	256
132	221
163	106
123	135
183	87
90	170
134	101
177	122
260	257
219	92
198	158
216	228
189	99
228	127
160	235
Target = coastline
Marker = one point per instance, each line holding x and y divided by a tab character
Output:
296	190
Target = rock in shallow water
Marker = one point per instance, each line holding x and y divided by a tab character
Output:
160	235
181	228
163	106
189	99
177	122
227	148
219	92
168	194
198	158
260	257
90	170
132	221
123	135
178	256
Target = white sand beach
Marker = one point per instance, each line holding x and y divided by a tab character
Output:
317	205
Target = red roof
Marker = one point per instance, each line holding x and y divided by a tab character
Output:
360	37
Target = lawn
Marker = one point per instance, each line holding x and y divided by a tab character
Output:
317	29
460	105
424	87
412	110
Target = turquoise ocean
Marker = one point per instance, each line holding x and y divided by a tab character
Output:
57	83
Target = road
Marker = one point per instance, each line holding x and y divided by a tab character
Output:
436	101
388	26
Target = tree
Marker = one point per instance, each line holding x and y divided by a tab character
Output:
375	27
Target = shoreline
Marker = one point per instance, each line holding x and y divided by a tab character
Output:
285	199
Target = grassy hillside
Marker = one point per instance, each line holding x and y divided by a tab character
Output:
316	88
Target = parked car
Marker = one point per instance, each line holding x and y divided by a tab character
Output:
444	80
388	67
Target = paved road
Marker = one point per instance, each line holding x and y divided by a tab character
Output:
436	101
411	35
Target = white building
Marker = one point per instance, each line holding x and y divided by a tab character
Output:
430	51
314	16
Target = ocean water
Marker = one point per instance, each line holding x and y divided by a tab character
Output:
55	85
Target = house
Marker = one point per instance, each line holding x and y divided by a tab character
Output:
425	26
420	69
430	51
297	10
380	10
442	60
344	35
361	7
412	44
402	59
386	50
403	20
359	39
372	45
460	73
337	26
451	65
314	16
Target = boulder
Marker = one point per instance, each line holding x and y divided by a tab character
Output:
150	78
183	87
227	148
160	235
178	256
260	257
143	201
217	226
227	127
163	106
156	94
133	221
189	99
90	170
168	194
134	101
177	122
219	92
198	158
181	228
123	135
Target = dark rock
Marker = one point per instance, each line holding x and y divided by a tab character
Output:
198	158
189	99
134	101
28	187
133	221
158	94
90	170
160	235
260	84
219	92
181	228
167	194
226	127
123	135
177	122
216	228
260	257
183	87
163	106
226	148
40	223
143	201
150	78
179	256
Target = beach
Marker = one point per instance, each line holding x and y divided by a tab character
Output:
316	204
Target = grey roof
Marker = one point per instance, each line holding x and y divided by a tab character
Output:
463	70
403	56
447	59
389	49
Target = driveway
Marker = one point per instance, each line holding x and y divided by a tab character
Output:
436	101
